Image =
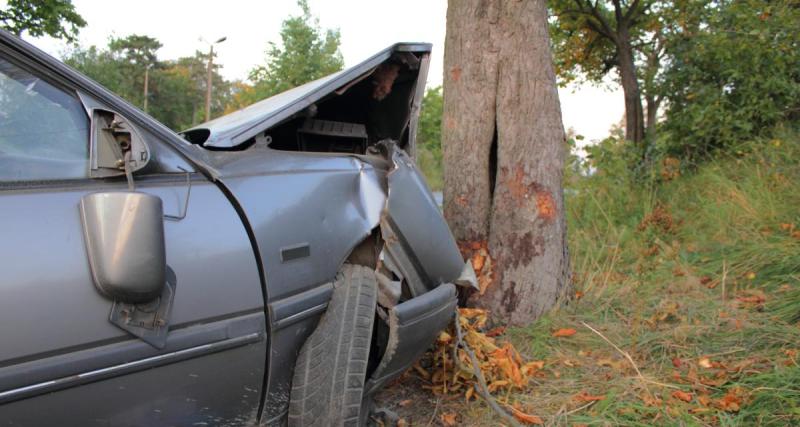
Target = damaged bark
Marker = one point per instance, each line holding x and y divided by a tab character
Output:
503	144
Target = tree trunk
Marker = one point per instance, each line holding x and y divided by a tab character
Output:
503	144
634	117
652	116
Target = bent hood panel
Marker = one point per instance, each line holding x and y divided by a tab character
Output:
238	127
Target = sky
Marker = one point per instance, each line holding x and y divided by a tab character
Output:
366	27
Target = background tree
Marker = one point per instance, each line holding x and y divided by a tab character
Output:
734	79
593	37
176	87
306	53
429	137
133	54
504	151
55	18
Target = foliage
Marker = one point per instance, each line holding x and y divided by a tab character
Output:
306	53
55	18
695	277
734	79
429	137
176	92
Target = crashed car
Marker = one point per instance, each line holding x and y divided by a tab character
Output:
274	266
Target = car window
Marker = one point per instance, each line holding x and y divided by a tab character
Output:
44	131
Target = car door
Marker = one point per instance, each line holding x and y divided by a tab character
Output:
62	362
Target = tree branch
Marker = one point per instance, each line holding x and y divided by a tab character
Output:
631	9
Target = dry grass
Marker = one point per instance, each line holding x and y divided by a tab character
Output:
689	306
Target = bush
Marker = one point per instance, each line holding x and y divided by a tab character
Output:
734	80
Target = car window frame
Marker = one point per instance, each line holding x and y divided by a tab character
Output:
68	90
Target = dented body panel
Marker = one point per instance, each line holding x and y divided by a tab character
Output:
285	193
318	211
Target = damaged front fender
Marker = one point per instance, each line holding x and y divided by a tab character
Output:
419	246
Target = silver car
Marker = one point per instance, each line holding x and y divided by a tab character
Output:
275	266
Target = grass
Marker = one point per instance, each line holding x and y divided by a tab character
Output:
696	278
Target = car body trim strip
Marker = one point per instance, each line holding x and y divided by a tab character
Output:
126	368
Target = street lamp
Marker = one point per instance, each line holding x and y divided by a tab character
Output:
146	81
208	79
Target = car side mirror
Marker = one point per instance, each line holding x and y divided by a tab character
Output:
124	234
116	148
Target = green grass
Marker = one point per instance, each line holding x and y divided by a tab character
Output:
662	269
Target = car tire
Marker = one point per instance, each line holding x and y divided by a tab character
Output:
330	371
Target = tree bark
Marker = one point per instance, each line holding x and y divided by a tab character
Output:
652	116
503	143
634	117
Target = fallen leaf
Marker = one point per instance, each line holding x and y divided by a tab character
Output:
494	385
650	400
404	403
500	330
682	395
578	294
705	280
525	418
402	422
704	362
564	332
732	400
676	362
753	299
586	397
448	418
750	275
531	367
469	393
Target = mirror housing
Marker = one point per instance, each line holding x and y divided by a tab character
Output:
112	136
124	235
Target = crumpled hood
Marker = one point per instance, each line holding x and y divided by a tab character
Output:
236	128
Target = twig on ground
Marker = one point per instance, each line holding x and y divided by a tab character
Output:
724	276
483	390
580	408
435	410
625	354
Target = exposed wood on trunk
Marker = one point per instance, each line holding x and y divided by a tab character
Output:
503	143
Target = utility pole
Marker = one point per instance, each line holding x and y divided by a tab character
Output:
210	75
146	82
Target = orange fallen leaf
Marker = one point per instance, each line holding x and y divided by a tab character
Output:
578	294
753	299
705	362
732	400
500	330
682	395
564	332
448	418
586	397
676	362
525	418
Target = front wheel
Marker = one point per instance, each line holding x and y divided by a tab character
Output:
330	371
